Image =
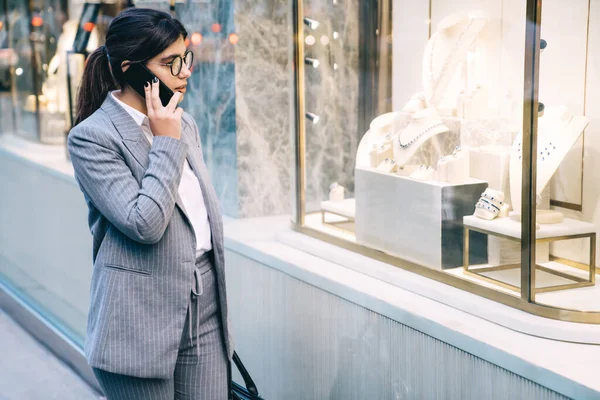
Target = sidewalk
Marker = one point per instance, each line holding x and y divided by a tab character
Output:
29	371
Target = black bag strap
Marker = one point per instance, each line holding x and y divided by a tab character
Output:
245	375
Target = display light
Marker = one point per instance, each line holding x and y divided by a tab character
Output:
313	62
311	23
314	118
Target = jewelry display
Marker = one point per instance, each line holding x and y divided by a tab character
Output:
458	166
423	125
446	50
407	170
442	170
336	192
558	131
490	205
380	153
504	210
388	165
424	173
372	150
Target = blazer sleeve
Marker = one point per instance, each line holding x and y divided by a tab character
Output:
140	212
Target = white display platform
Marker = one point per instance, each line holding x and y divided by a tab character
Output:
512	228
418	221
346	208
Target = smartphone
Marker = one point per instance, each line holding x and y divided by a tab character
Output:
137	75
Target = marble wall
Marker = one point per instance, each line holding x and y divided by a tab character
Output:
263	82
265	150
331	93
211	97
239	96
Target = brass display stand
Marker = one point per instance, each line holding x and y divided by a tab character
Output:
510	229
344	209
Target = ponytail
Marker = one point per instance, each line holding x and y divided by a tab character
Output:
96	83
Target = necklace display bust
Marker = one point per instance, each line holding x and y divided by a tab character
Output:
376	144
445	51
558	131
423	125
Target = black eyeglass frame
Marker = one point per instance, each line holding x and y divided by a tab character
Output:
182	60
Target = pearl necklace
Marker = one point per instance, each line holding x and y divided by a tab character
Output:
434	83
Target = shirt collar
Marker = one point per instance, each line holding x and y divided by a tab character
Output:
137	116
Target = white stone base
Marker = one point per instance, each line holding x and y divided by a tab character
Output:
417	221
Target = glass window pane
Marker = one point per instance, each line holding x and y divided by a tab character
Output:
565	157
411	112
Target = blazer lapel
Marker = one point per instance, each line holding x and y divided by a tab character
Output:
133	138
197	164
130	131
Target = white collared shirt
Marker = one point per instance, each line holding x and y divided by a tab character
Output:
189	188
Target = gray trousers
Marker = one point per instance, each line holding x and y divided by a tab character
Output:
201	372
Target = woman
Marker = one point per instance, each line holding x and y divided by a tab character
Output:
157	326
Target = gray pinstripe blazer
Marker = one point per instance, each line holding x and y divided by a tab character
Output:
143	242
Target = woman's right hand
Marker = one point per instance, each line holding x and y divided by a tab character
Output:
164	121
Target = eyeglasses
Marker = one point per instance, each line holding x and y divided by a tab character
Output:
177	63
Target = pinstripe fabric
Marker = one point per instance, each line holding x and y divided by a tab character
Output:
196	377
203	376
123	387
143	242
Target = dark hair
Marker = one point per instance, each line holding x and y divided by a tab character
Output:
136	34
